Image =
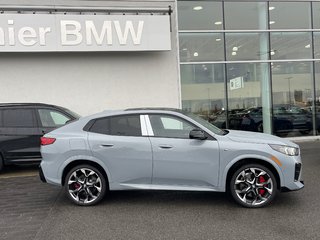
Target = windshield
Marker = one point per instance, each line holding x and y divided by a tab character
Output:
205	123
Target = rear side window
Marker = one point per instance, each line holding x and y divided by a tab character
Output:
18	118
128	125
52	118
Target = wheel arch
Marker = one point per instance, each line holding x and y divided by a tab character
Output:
81	162
246	161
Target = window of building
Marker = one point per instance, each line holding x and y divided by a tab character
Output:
226	72
200	15
316	15
291	45
246	92
317	97
128	125
18	118
292	98
316	44
246	46
203	89
194	47
290	15
245	15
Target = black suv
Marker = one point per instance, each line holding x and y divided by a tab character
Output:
22	125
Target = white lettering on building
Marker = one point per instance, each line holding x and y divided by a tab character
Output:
92	33
123	37
72	33
26	36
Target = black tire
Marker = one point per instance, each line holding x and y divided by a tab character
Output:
85	185
250	191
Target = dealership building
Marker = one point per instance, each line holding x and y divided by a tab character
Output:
248	65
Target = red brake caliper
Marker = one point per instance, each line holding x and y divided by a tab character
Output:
261	190
76	185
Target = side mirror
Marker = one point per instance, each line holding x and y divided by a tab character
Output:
197	134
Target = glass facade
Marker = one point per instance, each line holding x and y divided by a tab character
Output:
258	73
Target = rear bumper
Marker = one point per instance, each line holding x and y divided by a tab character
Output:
41	175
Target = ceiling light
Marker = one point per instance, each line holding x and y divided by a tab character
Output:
271	8
234	53
218	23
308	46
235	49
195	54
218	39
272	22
197	8
184	49
272	52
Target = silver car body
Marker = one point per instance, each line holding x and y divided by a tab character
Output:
149	162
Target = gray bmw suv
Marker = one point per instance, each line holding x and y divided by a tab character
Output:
166	149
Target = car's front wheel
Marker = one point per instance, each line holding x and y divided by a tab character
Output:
85	185
253	186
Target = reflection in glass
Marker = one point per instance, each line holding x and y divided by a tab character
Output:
292	45
247	46
292	98
203	89
316	44
199	15
290	15
245	96
245	15
316	15
317	97
196	47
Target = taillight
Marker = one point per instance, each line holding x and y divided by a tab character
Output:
47	141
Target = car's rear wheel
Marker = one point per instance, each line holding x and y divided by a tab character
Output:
85	185
253	186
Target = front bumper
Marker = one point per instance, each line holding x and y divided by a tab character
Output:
298	185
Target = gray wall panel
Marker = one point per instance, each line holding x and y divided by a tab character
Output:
91	82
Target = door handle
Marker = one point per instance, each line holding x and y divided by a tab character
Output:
164	146
106	145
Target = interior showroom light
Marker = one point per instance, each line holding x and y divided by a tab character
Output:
197	8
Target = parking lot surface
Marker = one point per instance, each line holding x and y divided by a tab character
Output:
30	209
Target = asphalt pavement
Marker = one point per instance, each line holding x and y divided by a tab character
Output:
30	209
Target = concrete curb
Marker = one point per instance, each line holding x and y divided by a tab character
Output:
304	139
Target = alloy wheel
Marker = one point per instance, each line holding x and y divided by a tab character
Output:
85	186
254	186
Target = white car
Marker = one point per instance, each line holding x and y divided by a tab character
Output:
165	149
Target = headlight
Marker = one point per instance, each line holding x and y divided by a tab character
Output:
290	151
